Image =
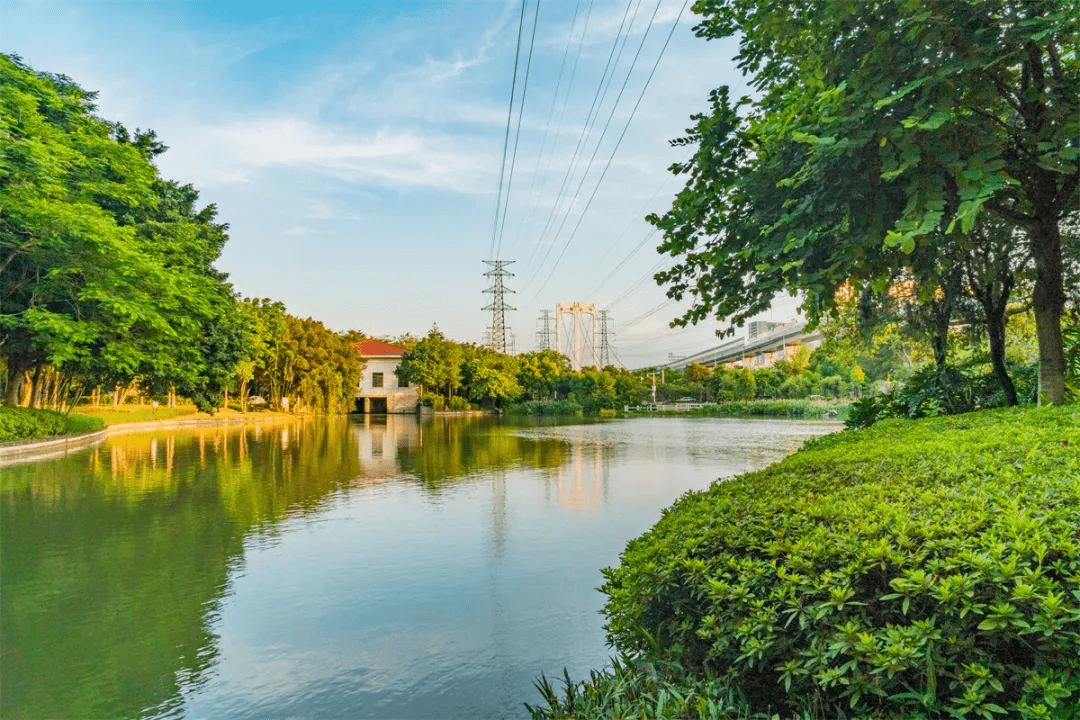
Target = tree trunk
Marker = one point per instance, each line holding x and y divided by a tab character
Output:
1049	305
995	327
13	394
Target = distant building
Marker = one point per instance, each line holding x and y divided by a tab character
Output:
381	390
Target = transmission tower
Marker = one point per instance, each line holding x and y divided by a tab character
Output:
543	335
607	334
498	306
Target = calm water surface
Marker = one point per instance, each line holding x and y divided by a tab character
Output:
329	568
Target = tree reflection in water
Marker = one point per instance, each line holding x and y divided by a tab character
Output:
115	560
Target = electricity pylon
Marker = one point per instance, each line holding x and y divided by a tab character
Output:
498	306
543	335
607	334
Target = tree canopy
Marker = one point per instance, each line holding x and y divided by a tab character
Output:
106	269
880	133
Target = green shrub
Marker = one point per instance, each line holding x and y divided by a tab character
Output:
833	386
432	400
924	569
458	403
929	393
803	408
545	407
26	424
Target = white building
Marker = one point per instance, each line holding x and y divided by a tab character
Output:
381	390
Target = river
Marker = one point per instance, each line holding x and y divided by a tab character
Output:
332	567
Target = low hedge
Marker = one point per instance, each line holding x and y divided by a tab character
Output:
545	407
771	408
915	569
27	424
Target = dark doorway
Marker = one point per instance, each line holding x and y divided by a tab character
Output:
377	405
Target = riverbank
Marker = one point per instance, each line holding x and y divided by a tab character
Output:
44	434
800	408
914	569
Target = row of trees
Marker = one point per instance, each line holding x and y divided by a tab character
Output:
932	146
107	274
455	375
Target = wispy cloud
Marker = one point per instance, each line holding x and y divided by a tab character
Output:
385	157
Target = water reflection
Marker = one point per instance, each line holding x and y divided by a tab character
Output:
131	572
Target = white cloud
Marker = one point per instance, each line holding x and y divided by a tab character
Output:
397	158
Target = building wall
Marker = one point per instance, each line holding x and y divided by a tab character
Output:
398	399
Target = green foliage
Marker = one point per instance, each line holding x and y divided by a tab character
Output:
770	408
27	424
435	363
644	690
108	271
566	408
734	384
491	377
878	136
920	569
930	392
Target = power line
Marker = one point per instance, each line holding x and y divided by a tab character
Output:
637	285
617	144
506	139
600	140
586	127
517	132
551	114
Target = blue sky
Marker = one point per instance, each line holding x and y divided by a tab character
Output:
355	148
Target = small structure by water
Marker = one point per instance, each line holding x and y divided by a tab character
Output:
381	390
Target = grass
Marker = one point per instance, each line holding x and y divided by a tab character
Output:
26	424
135	413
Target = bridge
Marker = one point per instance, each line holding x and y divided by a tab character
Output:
765	344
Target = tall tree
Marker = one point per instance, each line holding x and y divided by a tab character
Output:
878	127
106	270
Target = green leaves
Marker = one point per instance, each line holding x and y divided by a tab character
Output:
107	269
915	569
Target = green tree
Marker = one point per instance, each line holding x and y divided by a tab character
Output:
434	362
490	376
542	372
878	127
106	270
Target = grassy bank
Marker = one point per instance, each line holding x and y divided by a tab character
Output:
25	424
765	408
136	413
916	569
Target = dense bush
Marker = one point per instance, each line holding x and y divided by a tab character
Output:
770	408
929	393
25	424
924	569
545	407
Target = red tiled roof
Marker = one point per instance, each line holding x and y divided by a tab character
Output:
377	348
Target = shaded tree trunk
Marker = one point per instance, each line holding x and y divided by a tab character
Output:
1049	304
995	327
16	369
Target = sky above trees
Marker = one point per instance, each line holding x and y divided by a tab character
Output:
356	149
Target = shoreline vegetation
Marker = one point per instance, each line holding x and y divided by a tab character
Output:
27	425
771	407
914	569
